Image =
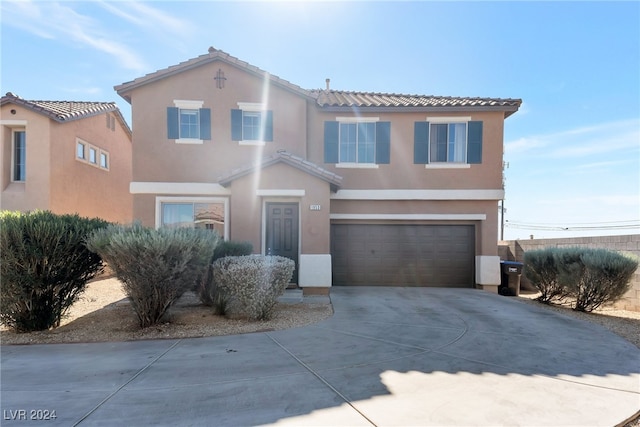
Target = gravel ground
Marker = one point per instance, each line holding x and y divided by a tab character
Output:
104	314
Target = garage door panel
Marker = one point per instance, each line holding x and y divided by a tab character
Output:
403	255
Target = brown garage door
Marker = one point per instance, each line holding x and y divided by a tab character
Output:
403	255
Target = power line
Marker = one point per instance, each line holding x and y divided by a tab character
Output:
609	225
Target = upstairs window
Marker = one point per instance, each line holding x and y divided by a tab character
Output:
357	142
81	150
19	155
350	142
104	160
92	155
448	142
251	124
188	122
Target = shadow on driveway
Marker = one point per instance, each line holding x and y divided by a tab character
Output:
389	356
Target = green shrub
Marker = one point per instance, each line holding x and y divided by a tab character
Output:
206	289
45	266
540	269
252	284
155	266
594	276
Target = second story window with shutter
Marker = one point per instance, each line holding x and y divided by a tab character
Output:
357	142
447	142
188	122
251	124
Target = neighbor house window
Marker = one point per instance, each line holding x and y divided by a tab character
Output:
104	159
443	141
93	155
205	214
188	122
357	142
251	124
81	150
19	155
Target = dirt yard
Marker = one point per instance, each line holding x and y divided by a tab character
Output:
103	313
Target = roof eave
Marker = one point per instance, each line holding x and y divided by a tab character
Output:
334	181
125	89
508	110
53	116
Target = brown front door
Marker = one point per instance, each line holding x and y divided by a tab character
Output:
282	232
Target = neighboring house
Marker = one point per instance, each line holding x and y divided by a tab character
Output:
66	157
357	188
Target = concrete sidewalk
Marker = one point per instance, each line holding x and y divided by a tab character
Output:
389	356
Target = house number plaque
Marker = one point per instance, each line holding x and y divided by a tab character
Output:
314	207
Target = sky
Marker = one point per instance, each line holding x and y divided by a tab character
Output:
572	150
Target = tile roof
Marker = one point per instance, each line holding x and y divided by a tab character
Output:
331	100
66	111
285	157
212	55
345	99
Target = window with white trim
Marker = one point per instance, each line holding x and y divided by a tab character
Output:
448	142
104	160
92	155
81	150
359	142
19	163
204	213
188	122
251	124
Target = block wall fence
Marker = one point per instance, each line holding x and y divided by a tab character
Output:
514	250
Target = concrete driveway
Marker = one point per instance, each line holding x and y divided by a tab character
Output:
389	356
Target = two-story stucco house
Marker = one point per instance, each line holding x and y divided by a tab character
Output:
66	157
357	188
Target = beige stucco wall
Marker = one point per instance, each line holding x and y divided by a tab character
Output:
247	209
34	193
78	187
402	173
156	158
55	180
299	128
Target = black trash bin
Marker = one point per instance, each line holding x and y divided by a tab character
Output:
510	278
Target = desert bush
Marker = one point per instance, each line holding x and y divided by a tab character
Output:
594	276
252	284
155	266
206	289
45	266
540	269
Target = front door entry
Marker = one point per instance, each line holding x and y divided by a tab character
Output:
282	232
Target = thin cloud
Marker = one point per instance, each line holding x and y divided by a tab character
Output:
596	200
53	20
589	168
145	16
579	142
